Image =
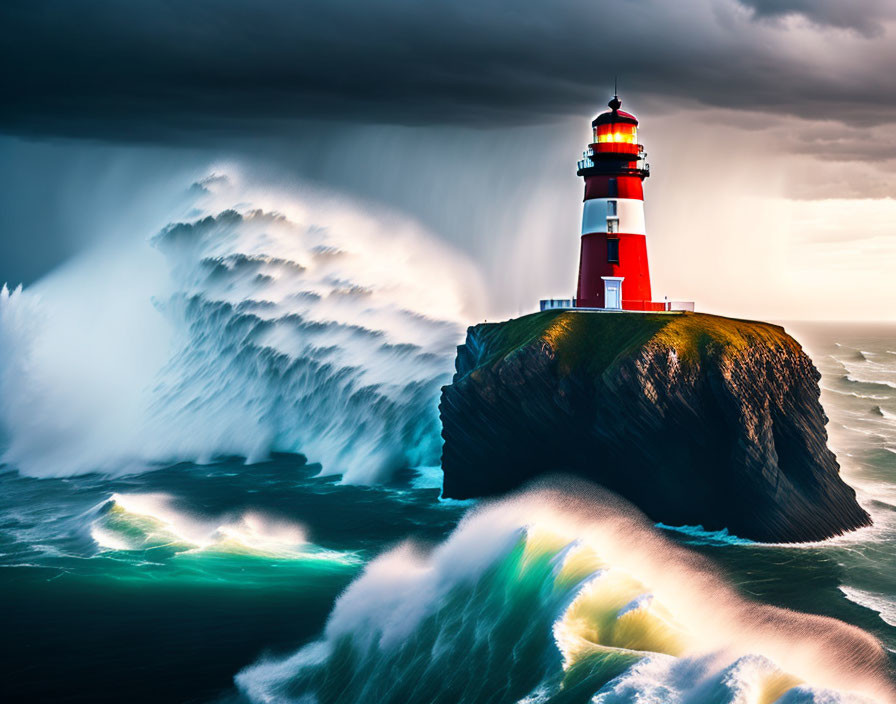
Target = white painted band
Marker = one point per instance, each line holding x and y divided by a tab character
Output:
629	216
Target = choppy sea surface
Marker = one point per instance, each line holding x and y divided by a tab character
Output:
266	582
205	497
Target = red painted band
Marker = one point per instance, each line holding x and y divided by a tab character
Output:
631	264
599	186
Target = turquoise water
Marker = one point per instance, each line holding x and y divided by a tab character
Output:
161	618
230	581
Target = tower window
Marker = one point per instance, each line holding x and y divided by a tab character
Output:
613	251
612	209
612	188
612	225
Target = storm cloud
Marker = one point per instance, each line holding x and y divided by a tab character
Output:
770	127
865	16
164	70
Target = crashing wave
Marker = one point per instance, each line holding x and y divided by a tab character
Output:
305	326
154	522
138	521
564	595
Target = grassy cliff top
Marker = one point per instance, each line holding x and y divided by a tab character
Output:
595	338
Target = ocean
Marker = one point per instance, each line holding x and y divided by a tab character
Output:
239	525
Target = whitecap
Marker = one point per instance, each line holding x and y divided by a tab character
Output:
882	604
153	521
709	537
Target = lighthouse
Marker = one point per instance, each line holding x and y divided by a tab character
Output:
613	269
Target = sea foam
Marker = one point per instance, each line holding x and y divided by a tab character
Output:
565	594
260	322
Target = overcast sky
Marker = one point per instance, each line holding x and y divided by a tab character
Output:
769	125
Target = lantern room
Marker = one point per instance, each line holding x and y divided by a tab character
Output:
620	132
616	131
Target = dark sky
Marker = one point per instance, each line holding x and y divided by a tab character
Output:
165	69
435	108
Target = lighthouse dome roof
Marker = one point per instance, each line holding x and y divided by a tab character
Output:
614	114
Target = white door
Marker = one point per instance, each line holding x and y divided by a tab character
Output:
611	294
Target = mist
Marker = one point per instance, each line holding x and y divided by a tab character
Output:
729	223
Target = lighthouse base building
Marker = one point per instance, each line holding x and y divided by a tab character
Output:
613	269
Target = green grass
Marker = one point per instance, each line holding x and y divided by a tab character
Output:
594	340
693	334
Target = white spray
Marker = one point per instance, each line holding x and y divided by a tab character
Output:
648	620
262	322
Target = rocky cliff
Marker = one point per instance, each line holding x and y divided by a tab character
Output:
697	419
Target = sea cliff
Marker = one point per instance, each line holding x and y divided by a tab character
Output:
697	419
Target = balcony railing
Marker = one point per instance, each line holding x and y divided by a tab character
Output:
588	163
628	305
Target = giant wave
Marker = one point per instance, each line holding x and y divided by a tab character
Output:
270	322
564	594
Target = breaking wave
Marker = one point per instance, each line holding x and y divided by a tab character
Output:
565	595
697	534
153	522
261	323
870	397
880	603
137	521
883	413
849	378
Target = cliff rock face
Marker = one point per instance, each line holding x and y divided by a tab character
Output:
697	419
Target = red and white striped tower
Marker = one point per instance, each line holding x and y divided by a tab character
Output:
613	271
